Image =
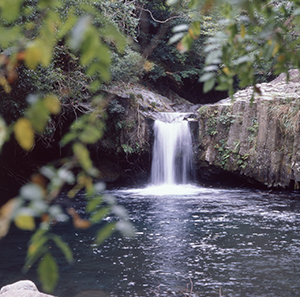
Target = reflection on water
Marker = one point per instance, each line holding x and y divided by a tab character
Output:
245	242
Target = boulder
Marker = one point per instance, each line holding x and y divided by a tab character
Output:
23	288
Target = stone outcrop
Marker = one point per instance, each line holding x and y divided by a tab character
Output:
256	138
24	288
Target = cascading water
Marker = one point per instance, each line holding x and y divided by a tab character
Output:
172	150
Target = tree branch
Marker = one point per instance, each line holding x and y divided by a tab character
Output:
158	21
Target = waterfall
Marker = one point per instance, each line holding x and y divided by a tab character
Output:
172	150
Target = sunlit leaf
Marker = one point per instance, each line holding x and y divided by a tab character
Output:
33	54
47	50
5	84
105	232
172	2
243	31
207	76
10	9
48	273
31	192
24	133
126	228
176	37
213	57
52	104
120	211
78	32
25	222
242	59
180	28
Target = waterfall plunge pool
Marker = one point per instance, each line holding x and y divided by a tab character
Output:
245	242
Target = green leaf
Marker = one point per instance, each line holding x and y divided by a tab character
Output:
3	132
179	28
9	35
67	25
214	57
172	2
242	59
207	76
33	54
10	10
31	192
83	155
36	248
112	33
78	32
196	28
194	3
49	3
48	273
100	214
105	232
68	138
24	133
52	104
176	37
208	85
25	222
126	228
38	115
94	203
64	248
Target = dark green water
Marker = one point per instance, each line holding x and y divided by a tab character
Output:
239	242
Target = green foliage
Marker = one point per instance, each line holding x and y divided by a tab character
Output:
127	67
169	65
258	36
59	51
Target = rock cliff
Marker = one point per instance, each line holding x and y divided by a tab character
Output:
258	139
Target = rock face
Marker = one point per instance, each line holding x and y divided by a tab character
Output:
24	288
258	139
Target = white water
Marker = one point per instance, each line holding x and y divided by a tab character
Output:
172	150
